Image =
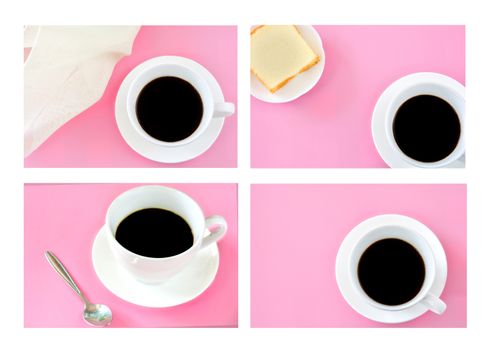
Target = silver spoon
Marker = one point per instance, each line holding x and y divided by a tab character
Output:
95	314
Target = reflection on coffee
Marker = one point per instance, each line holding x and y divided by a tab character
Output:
426	128
155	233
169	109
391	271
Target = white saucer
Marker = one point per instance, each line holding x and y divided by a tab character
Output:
389	155
185	286
351	295
163	154
300	84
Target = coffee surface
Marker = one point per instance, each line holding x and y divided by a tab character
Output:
391	271
155	233
169	109
426	128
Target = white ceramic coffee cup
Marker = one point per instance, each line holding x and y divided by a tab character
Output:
427	83
185	71
412	237
157	270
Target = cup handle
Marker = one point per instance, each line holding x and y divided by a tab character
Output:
217	227
223	109
434	304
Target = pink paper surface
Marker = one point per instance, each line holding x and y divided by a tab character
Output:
92	138
297	231
66	218
330	126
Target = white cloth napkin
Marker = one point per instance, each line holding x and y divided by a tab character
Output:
66	72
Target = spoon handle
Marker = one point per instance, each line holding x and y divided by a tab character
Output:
61	270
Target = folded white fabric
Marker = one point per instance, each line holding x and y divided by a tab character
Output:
66	72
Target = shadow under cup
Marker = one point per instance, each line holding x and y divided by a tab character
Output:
149	269
425	124
405	235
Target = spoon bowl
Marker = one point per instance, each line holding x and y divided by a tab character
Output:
98	315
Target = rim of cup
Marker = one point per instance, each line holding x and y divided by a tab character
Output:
198	236
409	236
438	85
159	70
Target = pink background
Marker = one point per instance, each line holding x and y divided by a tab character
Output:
66	218
296	233
330	126
92	138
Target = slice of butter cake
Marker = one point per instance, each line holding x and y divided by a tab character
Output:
278	54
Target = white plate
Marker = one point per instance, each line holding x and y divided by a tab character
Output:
389	155
349	292
164	154
185	286
300	84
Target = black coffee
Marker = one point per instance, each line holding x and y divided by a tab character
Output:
391	271
155	233
169	109
426	128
